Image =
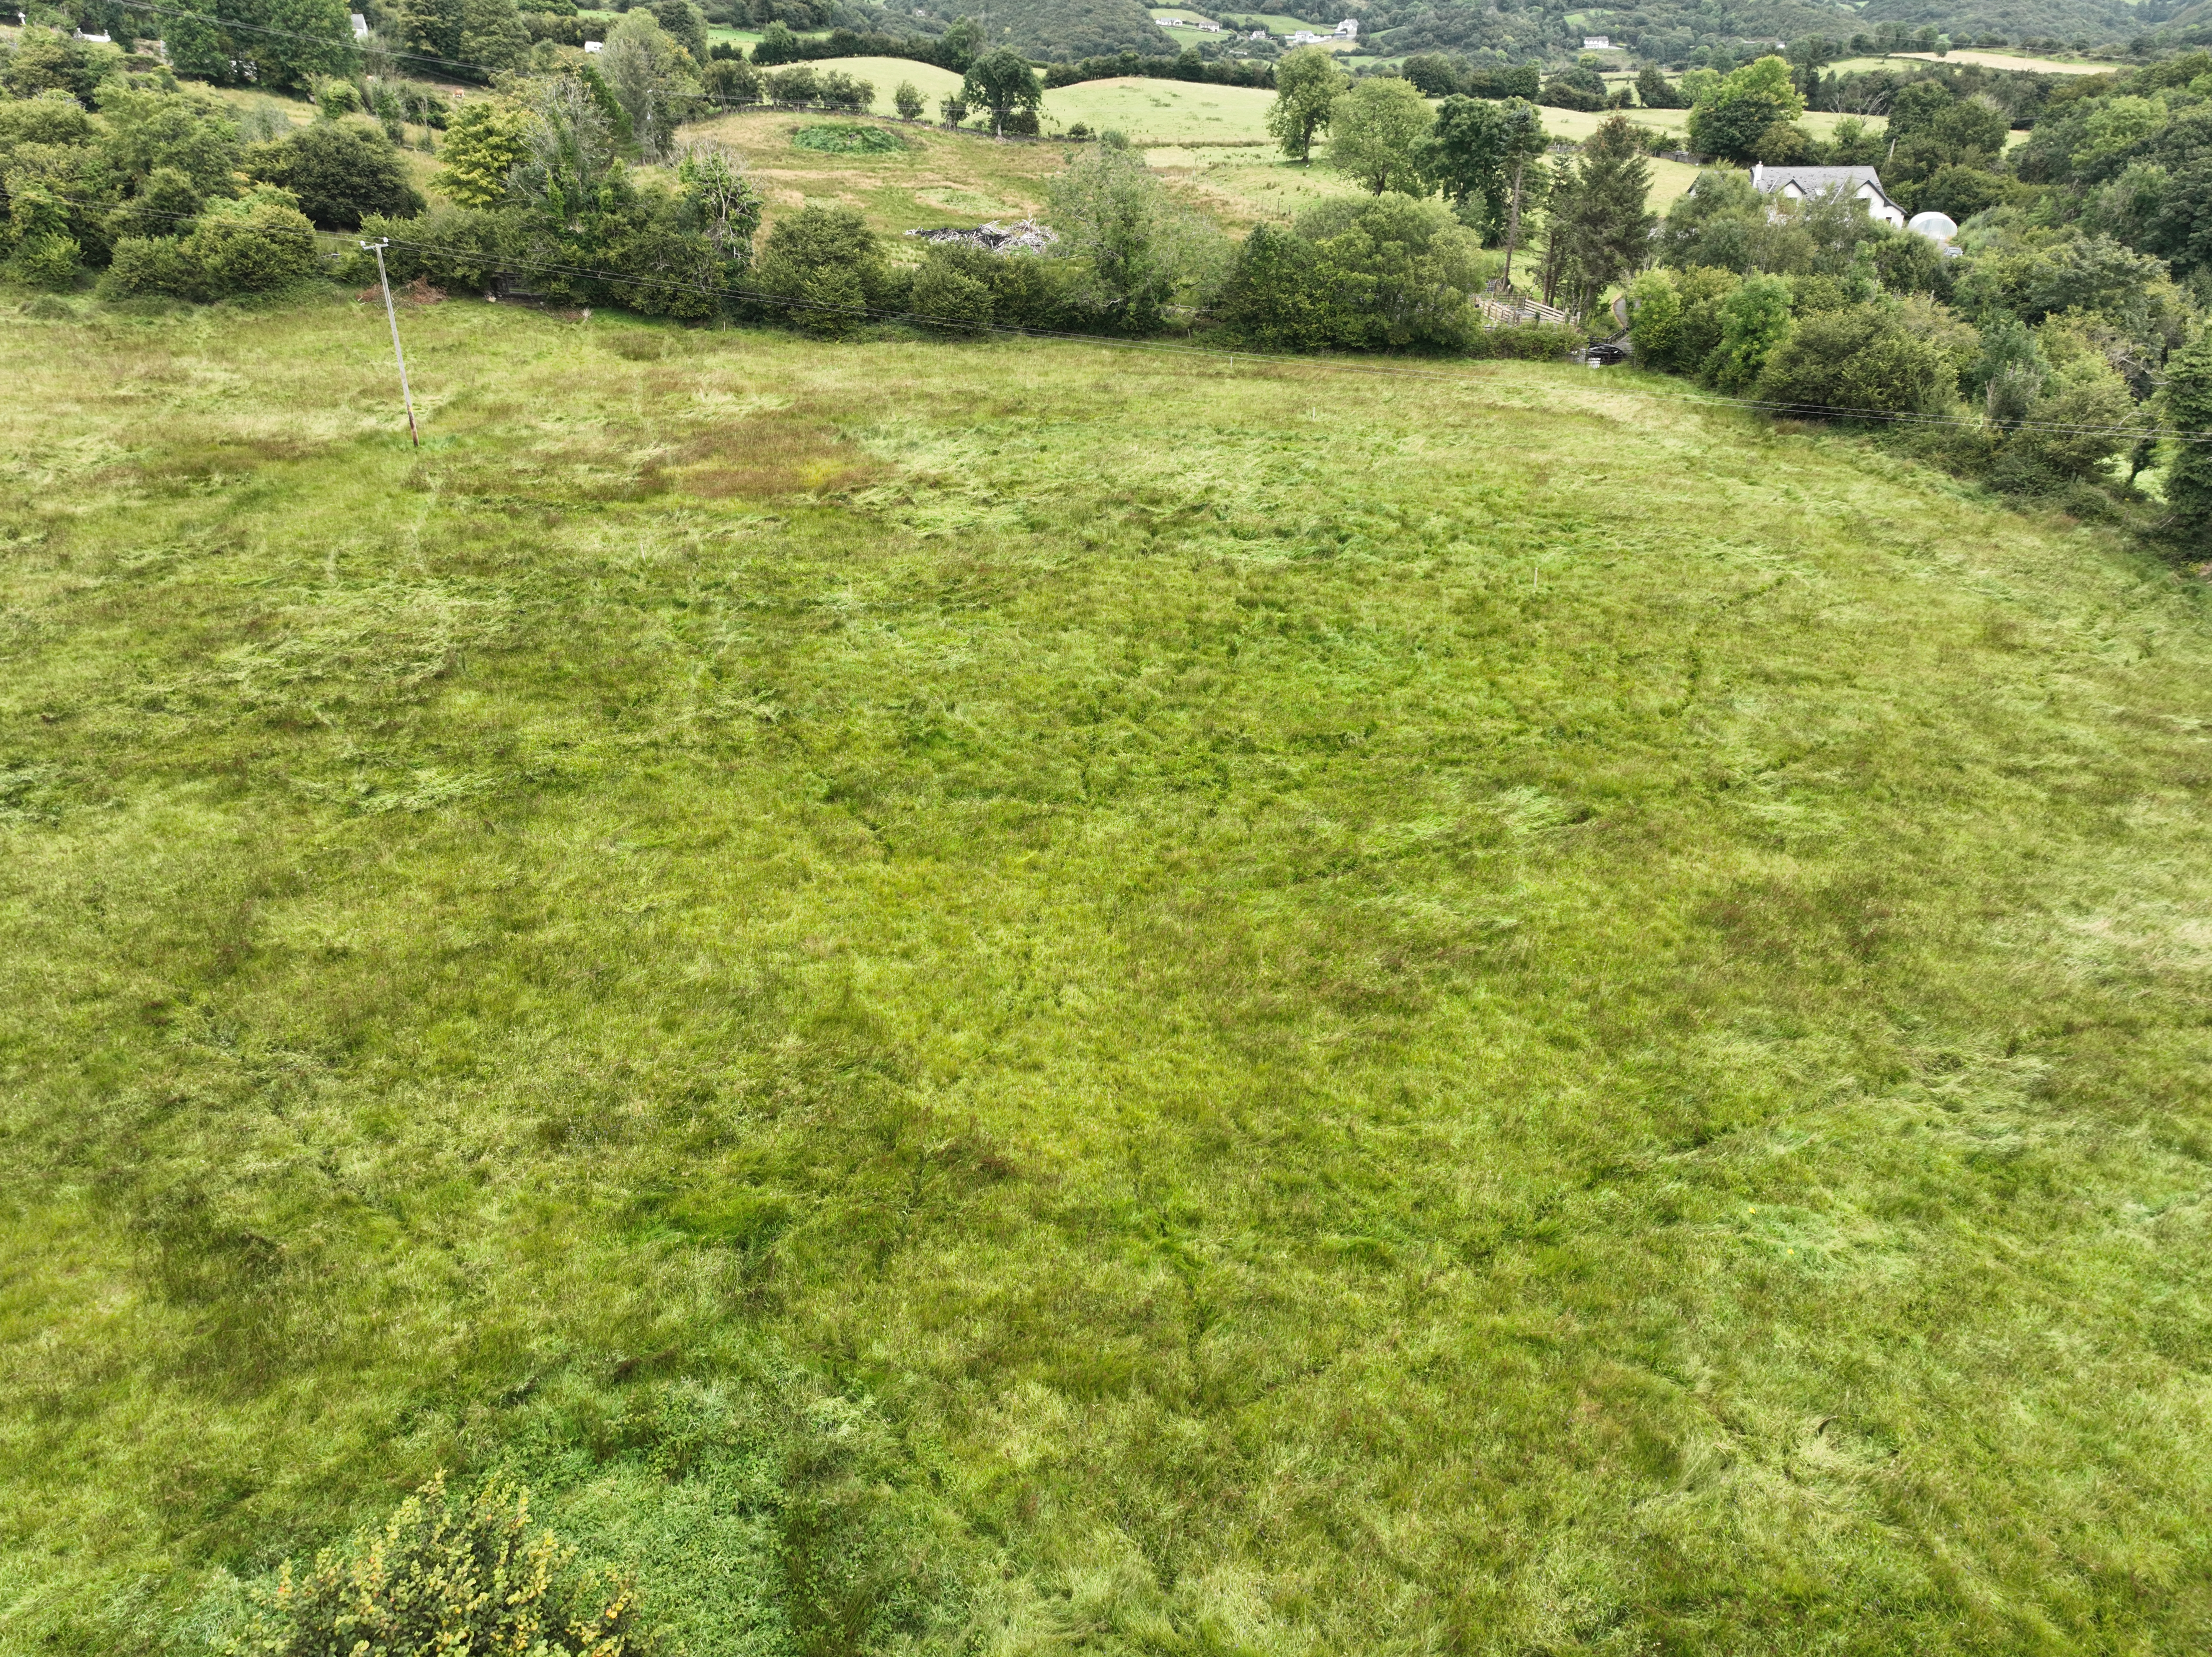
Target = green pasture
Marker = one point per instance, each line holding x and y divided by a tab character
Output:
1035	998
885	73
1163	112
2014	60
936	177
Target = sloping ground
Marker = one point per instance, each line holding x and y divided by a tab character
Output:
1164	111
938	177
1044	998
1047	29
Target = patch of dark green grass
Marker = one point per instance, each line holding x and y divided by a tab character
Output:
841	138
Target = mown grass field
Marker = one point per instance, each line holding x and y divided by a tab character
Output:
1033	998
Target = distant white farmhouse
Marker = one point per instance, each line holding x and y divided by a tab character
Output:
1347	30
1797	184
1597	43
360	26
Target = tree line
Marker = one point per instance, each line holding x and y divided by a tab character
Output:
2054	340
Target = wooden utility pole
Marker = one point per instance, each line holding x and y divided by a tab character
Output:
391	316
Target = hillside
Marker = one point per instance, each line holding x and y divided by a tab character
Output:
1054	998
1070	29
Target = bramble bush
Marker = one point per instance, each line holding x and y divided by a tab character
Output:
445	1576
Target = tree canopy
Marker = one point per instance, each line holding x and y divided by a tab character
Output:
1730	119
1377	135
1308	83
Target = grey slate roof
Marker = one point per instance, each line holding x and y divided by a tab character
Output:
1819	180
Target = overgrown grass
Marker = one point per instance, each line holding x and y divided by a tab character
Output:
936	178
1062	999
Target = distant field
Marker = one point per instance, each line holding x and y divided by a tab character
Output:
1575	124
1055	1001
885	73
1275	23
1163	112
940	178
1242	187
2014	60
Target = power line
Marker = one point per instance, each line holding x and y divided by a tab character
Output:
1334	365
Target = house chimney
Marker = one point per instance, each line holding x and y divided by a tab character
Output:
1758	174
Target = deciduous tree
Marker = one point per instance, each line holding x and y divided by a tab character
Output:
2189	410
1002	82
1138	246
1731	119
1375	134
1464	158
1308	83
651	78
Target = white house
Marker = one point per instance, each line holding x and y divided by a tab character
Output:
1348	29
1597	43
1797	184
595	46
360	26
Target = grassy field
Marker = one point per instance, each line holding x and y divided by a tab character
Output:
885	73
1042	998
2015	60
941	178
1164	111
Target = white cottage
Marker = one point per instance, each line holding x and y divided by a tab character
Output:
1798	183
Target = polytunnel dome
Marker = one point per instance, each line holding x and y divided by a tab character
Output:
1936	227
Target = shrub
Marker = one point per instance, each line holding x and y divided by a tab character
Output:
1137	247
445	1576
795	86
731	80
2189	408
907	99
1275	299
48	261
1754	319
1387	270
828	260
1859	357
951	298
1531	343
450	246
1655	319
260	244
334	98
339	173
